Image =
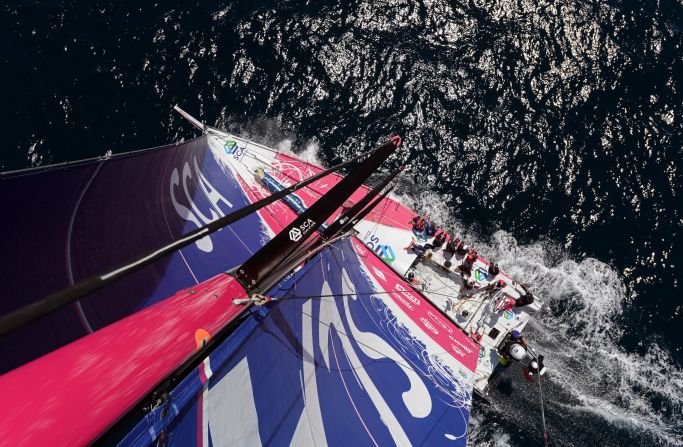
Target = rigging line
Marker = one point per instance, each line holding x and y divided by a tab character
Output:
312	189
270	166
545	430
438	385
69	267
226	135
265	190
168	226
341	332
343	294
381	215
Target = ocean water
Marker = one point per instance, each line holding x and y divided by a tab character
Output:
548	133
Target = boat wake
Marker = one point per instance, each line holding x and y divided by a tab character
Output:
592	377
596	391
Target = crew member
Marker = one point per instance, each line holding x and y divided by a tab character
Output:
452	244
467	285
495	285
526	297
512	349
439	240
430	228
472	256
493	269
466	266
412	279
462	249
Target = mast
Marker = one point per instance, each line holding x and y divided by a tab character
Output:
252	273
351	215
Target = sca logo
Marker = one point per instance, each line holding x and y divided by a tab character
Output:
230	147
297	232
385	252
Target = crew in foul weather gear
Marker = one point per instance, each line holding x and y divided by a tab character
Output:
427	256
525	299
493	269
517	352
412	279
439	240
430	228
513	348
472	256
452	245
466	266
495	285
467	285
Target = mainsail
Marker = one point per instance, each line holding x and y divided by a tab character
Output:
76	220
347	355
346	351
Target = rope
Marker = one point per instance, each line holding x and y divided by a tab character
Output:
381	216
540	392
545	430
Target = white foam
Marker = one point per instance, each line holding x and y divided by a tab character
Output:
483	435
310	153
578	330
285	145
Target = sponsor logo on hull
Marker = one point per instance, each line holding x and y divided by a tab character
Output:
384	251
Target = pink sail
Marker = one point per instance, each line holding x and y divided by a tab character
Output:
70	396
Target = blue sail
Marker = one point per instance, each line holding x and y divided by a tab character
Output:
68	222
334	360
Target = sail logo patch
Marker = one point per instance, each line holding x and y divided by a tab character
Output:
297	232
385	252
230	146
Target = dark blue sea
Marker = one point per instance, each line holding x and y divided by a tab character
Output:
547	132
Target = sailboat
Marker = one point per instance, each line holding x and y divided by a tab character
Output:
219	292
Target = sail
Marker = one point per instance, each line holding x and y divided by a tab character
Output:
347	355
67	222
73	394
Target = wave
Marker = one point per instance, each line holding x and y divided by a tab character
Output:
579	329
591	374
